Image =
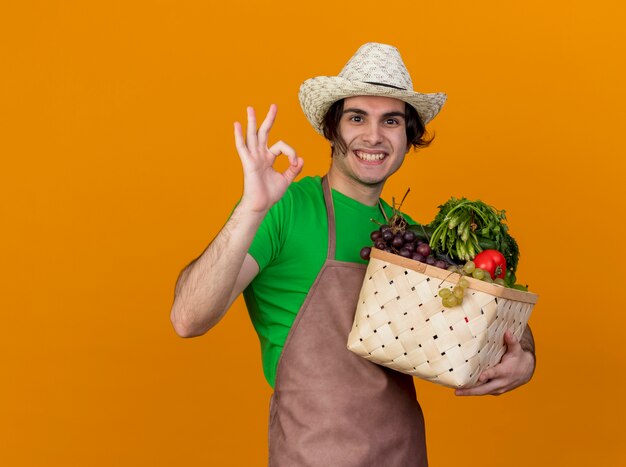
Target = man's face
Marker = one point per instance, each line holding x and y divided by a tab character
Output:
374	131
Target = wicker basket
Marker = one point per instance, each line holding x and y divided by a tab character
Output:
400	322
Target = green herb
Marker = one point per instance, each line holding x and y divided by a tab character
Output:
461	225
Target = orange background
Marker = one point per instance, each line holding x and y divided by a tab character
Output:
118	167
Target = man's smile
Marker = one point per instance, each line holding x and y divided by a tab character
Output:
370	156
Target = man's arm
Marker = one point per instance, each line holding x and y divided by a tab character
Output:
515	368
207	287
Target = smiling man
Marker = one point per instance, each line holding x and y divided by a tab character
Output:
372	145
293	250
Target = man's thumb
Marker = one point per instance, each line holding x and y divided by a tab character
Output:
510	339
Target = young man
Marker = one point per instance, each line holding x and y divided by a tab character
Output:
293	249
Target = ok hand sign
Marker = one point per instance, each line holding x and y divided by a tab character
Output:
263	185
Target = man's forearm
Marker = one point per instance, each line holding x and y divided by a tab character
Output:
527	342
204	288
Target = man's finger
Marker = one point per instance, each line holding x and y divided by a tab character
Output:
266	126
489	373
283	148
251	139
293	170
490	387
498	371
510	339
240	144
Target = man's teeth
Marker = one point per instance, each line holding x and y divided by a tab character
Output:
369	157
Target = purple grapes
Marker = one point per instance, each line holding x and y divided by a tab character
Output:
403	243
365	252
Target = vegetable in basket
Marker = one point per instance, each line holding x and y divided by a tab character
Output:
463	228
491	261
463	231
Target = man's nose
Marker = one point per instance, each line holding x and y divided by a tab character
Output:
373	134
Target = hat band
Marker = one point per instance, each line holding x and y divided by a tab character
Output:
385	85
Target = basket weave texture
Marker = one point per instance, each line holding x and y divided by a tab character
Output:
400	322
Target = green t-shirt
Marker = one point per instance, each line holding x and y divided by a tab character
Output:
290	248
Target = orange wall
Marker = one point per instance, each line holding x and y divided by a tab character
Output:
118	167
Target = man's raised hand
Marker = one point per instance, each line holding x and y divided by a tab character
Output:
263	185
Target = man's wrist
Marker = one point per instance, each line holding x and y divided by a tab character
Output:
246	213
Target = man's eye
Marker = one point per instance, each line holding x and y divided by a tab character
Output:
391	121
356	118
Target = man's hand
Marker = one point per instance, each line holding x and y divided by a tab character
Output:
263	185
515	368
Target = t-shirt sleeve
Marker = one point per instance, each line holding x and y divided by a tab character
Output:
269	239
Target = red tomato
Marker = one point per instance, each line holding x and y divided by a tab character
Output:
492	261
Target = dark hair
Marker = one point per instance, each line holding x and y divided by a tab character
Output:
416	134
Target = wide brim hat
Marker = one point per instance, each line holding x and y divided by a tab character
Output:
374	70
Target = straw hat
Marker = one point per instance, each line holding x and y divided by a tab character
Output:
374	70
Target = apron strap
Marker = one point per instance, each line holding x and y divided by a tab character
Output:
330	214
